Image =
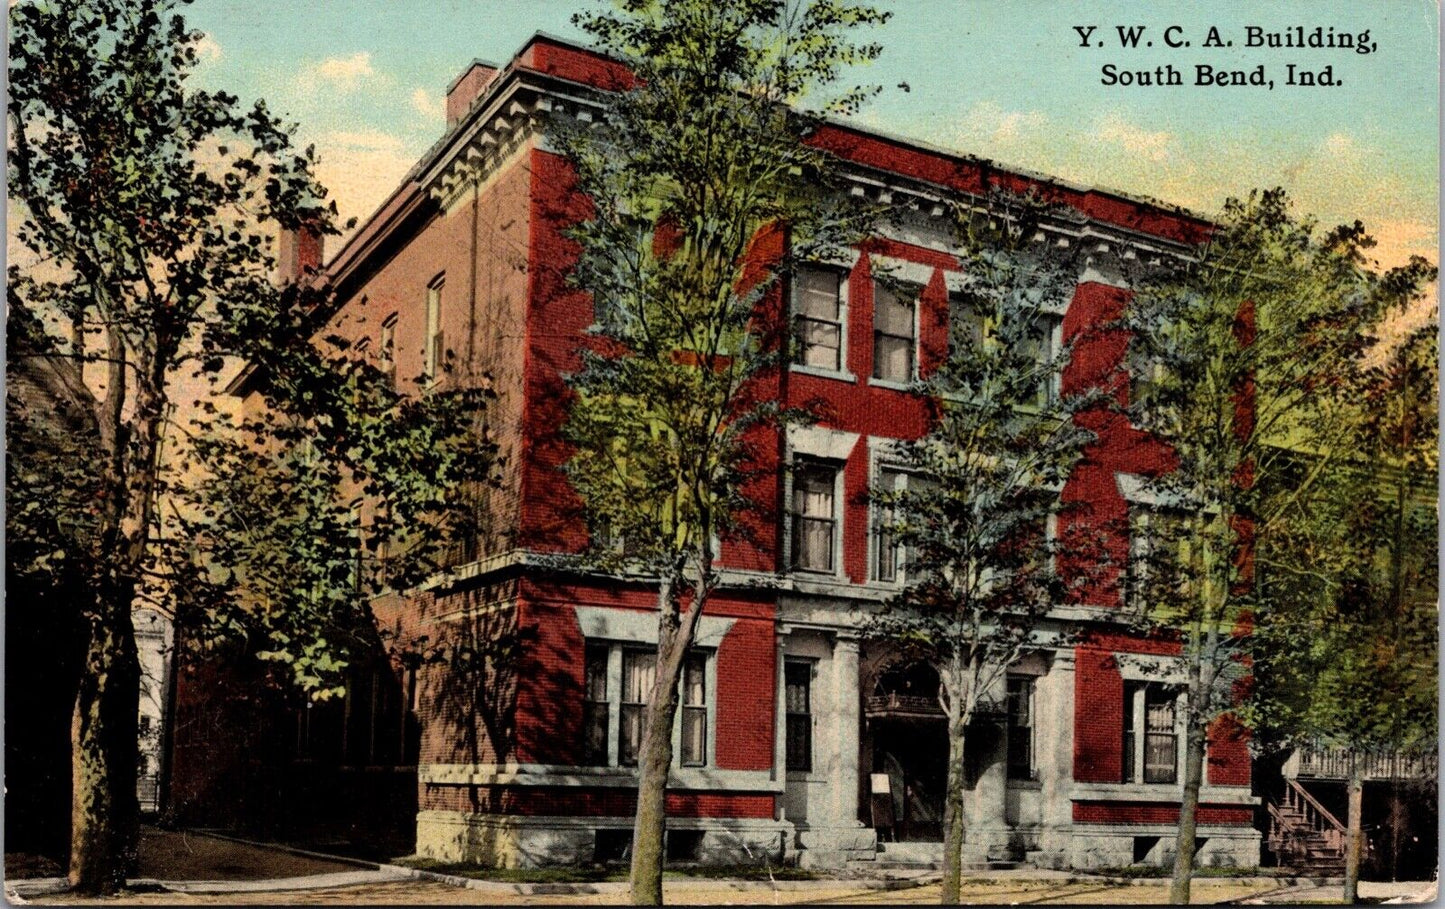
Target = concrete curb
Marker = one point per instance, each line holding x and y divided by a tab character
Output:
564	888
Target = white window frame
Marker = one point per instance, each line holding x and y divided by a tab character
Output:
1137	710
838	513
915	292
386	348
844	275
615	651
432	353
875	516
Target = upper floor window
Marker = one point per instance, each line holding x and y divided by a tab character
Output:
887	553
434	352
386	354
1021	728
818	318
966	320
815	516
1042	346
894	333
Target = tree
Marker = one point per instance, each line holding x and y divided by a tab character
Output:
1345	650
1233	354
702	190
981	485
148	208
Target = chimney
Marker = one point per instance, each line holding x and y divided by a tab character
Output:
298	253
467	88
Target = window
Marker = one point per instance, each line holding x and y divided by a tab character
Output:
814	517
886	551
798	681
434	352
595	707
1021	728
1161	737
966	317
1161	557
639	669
818	318
694	711
386	356
893	333
1153	708
1042	346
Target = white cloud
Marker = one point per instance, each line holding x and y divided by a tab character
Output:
428	105
1115	130
208	49
360	169
987	120
344	73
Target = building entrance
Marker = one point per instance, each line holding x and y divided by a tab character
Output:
910	753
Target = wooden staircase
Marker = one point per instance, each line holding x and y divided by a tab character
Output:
1305	835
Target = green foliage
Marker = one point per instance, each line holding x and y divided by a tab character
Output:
1236	359
150	209
982	484
691	175
1346	652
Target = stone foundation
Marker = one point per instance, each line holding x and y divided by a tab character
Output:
1119	847
507	841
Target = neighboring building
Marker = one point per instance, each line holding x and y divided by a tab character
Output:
153	646
791	721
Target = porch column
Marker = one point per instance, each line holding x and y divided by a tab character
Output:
846	698
780	722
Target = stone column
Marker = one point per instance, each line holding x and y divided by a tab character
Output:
780	725
986	806
1055	755
846	699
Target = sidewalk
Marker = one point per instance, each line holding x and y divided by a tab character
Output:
193	868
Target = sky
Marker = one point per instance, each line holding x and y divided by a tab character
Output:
365	81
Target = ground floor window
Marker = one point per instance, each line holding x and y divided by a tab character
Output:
1151	733
616	689
798	677
1021	728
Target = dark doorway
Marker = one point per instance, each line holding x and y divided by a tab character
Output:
913	753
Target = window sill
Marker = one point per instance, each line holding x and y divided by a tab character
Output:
892	385
840	375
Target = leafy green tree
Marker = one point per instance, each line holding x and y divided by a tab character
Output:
695	176
148	208
1232	356
981	485
1345	650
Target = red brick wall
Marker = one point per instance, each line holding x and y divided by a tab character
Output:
746	673
1158	813
543	801
549	713
1098	716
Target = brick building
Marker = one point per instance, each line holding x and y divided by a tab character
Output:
790	720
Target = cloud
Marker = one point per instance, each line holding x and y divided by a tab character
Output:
344	73
987	120
1115	130
208	49
428	105
360	168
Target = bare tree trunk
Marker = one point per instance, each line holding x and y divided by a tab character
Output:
1354	838
655	755
1189	803
652	765
104	809
953	830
